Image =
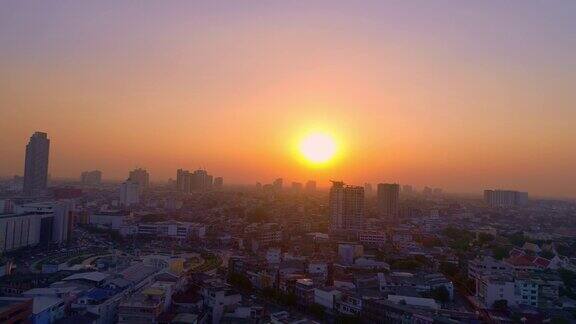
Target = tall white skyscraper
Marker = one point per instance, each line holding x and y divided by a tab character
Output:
36	164
388	196
129	193
346	207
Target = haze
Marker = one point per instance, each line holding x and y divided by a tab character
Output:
459	95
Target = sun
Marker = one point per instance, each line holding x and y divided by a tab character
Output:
318	148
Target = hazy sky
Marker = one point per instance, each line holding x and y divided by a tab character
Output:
457	94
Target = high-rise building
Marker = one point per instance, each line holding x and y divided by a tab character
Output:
407	189
368	189
505	198
218	183
388	196
277	184
198	180
427	191
311	186
141	177
296	186
346	207
91	178
201	180
56	219
36	164
183	180
129	193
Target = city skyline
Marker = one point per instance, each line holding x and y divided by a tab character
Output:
463	96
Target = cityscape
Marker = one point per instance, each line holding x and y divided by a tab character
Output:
217	162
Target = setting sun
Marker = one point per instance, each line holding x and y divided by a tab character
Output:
318	148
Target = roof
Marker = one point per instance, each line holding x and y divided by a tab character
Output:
185	318
90	276
137	272
42	303
74	319
414	301
99	294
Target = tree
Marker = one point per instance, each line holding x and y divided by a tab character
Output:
484	238
440	294
500	252
317	310
501	304
240	281
449	269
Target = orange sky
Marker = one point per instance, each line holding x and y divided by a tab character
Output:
414	101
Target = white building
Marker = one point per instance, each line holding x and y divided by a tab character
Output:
173	229
113	220
487	265
492	288
129	193
19	230
327	297
60	211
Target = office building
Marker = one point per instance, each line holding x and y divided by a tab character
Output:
407	189
296	186
129	193
311	186
388	196
346	205
141	177
183	180
505	198
368	189
56	219
218	183
198	180
91	178
36	164
277	184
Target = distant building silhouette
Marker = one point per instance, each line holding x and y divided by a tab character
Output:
129	193
407	189
296	186
368	189
36	164
277	184
91	178
141	177
218	183
388	195
346	206
311	186
198	180
505	198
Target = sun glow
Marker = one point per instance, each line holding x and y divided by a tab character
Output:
318	148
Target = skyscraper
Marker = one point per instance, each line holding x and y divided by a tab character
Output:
218	183
91	177
36	164
388	195
277	184
129	193
311	186
505	198
141	177
346	207
296	186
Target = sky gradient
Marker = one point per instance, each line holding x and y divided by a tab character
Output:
463	95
